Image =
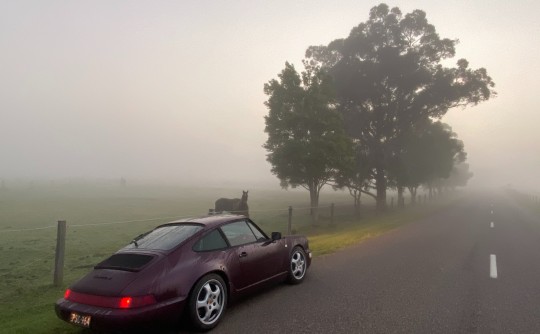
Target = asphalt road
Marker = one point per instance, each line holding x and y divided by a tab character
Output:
432	276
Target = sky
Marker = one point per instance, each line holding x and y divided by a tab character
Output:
173	90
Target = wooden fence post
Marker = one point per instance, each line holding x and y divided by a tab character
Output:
289	226
332	213
60	252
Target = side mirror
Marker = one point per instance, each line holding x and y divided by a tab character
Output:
276	236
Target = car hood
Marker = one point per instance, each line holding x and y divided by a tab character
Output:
114	274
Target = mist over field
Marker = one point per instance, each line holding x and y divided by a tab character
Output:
172	92
120	116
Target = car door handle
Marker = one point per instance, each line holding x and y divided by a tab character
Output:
243	254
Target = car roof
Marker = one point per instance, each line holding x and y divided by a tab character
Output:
208	221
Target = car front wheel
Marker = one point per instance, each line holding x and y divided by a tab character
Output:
297	266
207	302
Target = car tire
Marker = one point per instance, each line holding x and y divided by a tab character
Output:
297	265
207	302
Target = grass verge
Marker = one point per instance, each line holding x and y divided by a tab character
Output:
334	237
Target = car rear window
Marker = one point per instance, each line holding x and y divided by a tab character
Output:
130	262
164	237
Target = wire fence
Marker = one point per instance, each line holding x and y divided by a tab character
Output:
28	254
29	229
531	198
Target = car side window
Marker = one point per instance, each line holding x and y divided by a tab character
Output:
238	233
212	241
258	234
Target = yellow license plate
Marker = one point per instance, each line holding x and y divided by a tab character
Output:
80	320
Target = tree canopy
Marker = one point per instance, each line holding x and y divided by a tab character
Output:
389	76
307	142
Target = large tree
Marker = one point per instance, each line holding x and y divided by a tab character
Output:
356	177
429	154
389	75
459	176
307	142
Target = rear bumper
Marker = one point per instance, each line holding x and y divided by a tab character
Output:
122	319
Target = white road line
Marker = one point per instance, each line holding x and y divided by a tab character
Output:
493	266
492	225
491	211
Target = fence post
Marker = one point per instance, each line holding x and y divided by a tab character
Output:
332	213
60	252
289	226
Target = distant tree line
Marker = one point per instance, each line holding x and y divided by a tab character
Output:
365	112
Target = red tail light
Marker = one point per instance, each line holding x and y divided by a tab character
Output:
109	302
134	302
125	302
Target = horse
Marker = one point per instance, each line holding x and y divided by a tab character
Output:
233	205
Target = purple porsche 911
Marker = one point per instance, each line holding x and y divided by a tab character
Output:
190	267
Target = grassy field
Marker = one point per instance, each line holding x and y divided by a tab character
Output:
104	218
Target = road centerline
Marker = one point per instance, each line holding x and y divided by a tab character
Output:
493	266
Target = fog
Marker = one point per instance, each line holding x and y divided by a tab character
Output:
173	90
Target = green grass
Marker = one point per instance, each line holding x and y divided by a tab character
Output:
27	257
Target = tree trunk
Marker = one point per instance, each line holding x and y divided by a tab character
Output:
314	200
356	194
357	205
439	190
401	200
413	190
381	190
